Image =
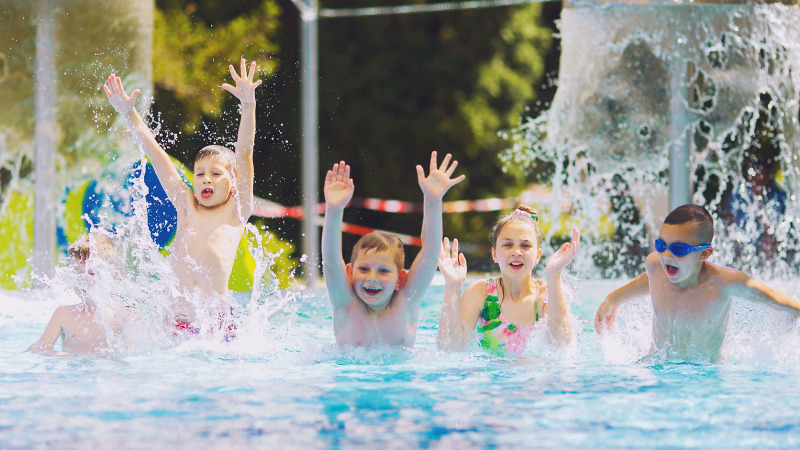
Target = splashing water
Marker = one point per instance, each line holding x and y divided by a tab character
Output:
636	81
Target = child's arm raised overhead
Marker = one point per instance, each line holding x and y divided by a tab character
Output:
557	307
434	186
606	314
167	174
245	91
338	192
459	315
51	333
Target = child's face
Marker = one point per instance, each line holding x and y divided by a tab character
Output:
375	277
517	249
679	269
213	182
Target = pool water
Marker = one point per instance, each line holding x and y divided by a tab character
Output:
283	383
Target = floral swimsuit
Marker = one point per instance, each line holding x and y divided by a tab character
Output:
498	336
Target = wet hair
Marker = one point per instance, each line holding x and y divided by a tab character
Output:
381	241
224	154
693	213
94	241
523	213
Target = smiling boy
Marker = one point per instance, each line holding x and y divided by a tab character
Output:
375	301
211	219
691	297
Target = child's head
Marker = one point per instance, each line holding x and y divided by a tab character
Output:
213	175
517	241
684	241
376	268
94	243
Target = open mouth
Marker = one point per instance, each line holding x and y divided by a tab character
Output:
207	193
671	270
516	265
372	292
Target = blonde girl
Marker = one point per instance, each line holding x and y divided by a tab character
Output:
503	310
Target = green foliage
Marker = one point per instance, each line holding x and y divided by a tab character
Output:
191	55
393	88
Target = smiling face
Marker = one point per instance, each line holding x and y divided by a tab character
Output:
375	277
684	269
517	249
213	181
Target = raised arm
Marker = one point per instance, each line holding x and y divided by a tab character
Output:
434	186
338	192
245	91
559	320
50	336
606	314
756	291
167	174
459	316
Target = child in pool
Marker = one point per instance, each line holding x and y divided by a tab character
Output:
212	218
691	297
84	331
504	310
375	301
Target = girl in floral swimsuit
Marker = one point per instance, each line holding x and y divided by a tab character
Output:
504	310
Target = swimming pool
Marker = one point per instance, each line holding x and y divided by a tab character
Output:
282	383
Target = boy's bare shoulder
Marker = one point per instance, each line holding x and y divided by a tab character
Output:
652	262
725	275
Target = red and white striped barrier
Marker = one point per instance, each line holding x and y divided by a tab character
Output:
268	209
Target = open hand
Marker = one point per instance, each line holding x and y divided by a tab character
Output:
338	185
245	89
115	92
437	183
452	264
564	255
605	317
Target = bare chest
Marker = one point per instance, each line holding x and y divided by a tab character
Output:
358	326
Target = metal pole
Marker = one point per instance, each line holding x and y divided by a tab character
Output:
45	133
310	124
680	167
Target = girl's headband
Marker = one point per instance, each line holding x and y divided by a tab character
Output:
524	213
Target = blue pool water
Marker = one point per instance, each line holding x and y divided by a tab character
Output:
284	384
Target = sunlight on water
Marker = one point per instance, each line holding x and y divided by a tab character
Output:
283	381
277	378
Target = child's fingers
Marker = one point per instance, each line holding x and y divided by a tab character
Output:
445	162
252	71
347	172
234	75
455	181
433	161
420	173
243	68
449	170
462	260
133	96
455	248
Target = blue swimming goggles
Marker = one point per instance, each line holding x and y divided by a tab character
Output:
679	248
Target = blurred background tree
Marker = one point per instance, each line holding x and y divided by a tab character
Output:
392	89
